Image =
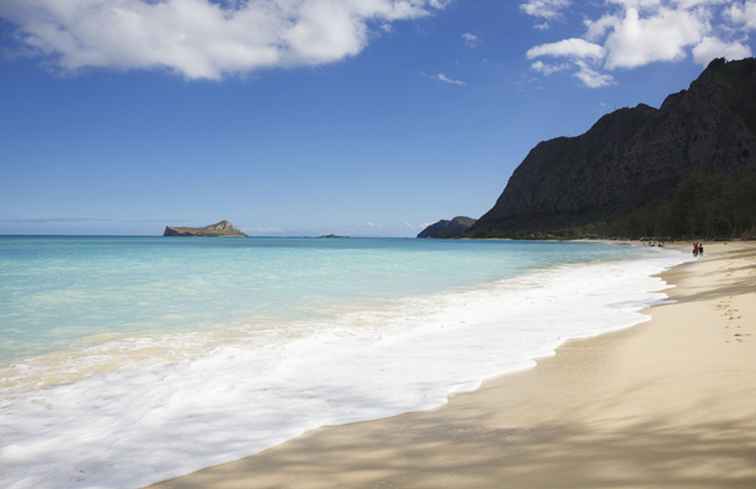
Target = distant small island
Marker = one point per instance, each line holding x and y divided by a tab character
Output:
444	229
333	236
219	229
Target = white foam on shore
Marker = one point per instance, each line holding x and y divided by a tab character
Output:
156	420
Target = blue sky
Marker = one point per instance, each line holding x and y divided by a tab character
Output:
291	117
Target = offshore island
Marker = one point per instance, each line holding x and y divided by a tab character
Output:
218	230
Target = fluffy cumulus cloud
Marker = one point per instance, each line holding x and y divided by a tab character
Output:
573	48
743	14
712	47
544	10
632	33
663	36
203	39
596	29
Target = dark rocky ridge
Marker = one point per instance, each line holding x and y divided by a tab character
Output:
219	229
630	158
448	229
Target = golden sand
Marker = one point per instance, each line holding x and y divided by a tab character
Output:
668	404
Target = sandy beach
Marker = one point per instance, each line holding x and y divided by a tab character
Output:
667	404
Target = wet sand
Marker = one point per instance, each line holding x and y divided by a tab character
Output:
668	404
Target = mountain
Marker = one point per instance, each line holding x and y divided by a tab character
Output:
642	170
448	229
219	229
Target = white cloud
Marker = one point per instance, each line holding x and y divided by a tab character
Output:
592	78
712	47
628	34
743	14
548	68
573	48
200	38
471	40
638	41
577	52
451	81
637	4
597	29
688	4
544	9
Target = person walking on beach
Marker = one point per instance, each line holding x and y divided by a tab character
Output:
695	249
700	250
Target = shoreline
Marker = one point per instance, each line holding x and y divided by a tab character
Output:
457	340
87	345
660	388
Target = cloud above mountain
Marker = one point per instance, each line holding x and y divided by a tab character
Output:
629	34
211	39
203	39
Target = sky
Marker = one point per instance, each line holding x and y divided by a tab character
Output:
307	117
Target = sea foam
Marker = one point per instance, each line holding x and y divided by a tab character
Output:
162	417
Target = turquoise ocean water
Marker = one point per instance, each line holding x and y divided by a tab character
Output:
125	361
57	291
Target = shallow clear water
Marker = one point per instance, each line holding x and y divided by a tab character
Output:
56	291
125	361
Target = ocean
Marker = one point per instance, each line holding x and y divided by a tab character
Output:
129	360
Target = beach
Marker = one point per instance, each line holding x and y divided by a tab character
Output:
669	404
178	363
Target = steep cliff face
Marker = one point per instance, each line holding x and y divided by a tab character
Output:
219	229
631	157
448	229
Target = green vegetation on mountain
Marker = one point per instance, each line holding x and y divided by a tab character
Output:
687	169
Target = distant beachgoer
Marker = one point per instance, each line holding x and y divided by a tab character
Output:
700	249
695	248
